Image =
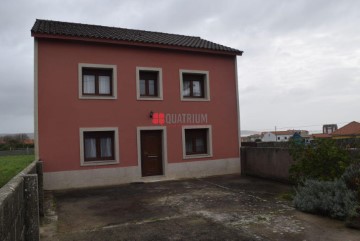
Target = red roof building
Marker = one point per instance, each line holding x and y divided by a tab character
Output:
116	105
351	130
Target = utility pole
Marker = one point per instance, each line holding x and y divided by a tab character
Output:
275	135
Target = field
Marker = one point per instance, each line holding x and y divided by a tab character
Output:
12	165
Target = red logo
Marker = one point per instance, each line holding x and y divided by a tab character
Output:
158	118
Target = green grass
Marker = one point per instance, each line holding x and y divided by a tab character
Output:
12	165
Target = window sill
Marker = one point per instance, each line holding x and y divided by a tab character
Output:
197	156
149	98
99	163
195	99
83	97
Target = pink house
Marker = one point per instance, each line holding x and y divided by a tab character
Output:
115	105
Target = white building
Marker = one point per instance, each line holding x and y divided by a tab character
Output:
281	136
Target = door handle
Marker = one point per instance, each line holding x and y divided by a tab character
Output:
152	156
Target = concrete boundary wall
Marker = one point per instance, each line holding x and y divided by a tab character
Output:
26	151
266	162
21	204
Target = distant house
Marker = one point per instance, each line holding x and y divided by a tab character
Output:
329	128
307	138
115	105
351	130
251	138
281	136
28	142
278	136
268	137
320	136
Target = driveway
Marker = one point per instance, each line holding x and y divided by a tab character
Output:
218	208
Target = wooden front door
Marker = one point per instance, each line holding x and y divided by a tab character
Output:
151	152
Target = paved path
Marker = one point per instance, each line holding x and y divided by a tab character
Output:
218	208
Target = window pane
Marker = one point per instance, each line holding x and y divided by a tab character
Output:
90	148
89	84
200	144
142	87
186	88
197	88
189	146
104	84
196	141
106	147
151	87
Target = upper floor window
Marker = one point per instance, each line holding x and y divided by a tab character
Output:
194	85
97	81
149	83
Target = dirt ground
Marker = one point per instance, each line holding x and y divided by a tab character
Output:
218	208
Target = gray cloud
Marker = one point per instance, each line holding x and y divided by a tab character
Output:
300	66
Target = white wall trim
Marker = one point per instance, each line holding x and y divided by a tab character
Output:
119	175
164	148
207	84
114	80
160	83
209	141
99	163
36	107
238	105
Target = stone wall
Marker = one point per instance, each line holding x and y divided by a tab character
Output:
21	204
266	162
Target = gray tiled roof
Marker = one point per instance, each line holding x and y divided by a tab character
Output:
122	34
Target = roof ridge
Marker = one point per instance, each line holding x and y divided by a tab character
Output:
113	27
56	28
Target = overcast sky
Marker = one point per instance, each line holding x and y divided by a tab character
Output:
300	67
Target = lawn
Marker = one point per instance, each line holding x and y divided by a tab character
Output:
12	165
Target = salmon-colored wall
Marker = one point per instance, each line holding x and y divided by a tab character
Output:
61	113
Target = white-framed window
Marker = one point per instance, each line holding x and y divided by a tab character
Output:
194	85
197	141
97	81
99	146
149	83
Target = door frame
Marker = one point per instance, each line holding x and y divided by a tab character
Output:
163	145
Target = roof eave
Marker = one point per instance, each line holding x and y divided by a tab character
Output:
133	43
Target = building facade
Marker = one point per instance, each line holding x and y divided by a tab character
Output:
115	105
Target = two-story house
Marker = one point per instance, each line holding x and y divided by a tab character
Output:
115	105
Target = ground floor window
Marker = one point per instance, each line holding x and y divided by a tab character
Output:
98	146
197	141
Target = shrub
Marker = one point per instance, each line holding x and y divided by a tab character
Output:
353	218
331	198
351	177
323	160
